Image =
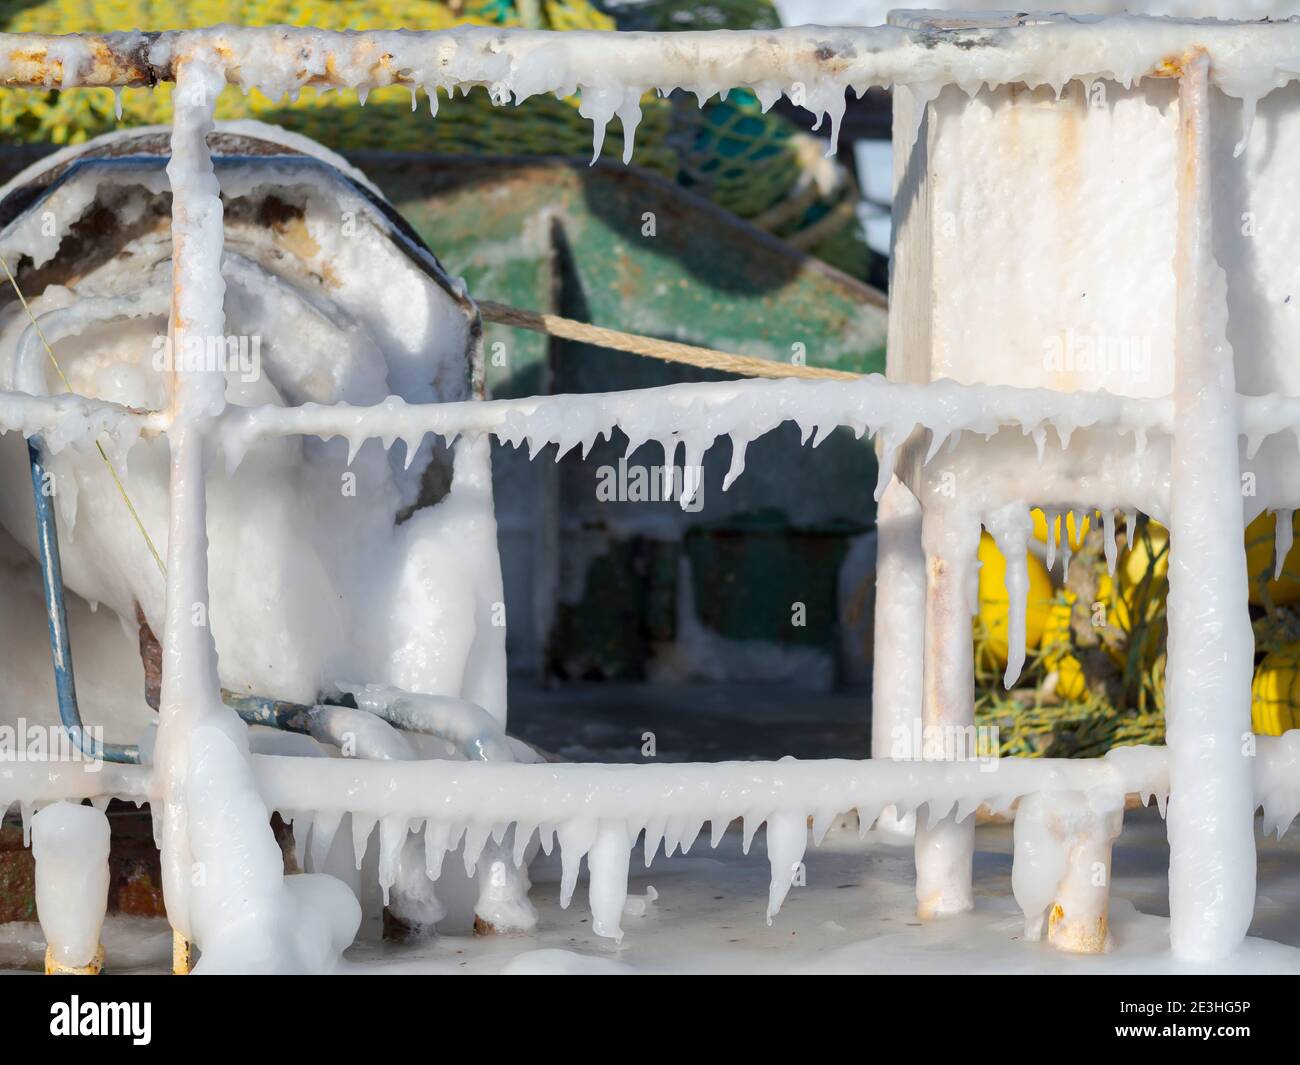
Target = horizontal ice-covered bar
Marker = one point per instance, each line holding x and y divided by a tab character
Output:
813	65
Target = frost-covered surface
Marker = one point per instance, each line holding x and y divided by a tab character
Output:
295	554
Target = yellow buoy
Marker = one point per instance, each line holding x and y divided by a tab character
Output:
1149	552
994	604
1259	564
1275	693
1055	645
1077	530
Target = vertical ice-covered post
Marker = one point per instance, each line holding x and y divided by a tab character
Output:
223	872
945	849
1211	646
190	688
897	657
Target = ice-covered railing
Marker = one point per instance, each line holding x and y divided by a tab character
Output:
214	795
695	416
814	66
600	811
67	420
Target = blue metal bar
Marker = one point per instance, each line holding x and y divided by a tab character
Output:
47	542
273	713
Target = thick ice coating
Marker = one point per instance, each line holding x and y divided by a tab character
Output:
70	845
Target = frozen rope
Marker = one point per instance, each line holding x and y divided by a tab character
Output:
651	347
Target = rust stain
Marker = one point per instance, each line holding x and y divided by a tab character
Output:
1169	67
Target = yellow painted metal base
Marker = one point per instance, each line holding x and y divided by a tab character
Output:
1077	936
54	967
182	958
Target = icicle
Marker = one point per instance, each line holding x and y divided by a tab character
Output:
1052	532
607	866
937	439
823	818
673	830
654	835
598	124
787	839
1040	442
691	833
749	825
867	816
923	93
392	836
1010	527
1068	523
718	829
1248	103
692	473
1108	522
630	114
523	836
886	469
476	837
1130	526
117	102
937	810
100	802
738	446
966	805
1283	533
28	810
362	826
576	839
324	827
437	841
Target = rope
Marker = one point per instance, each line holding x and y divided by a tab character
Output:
121	488
667	350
